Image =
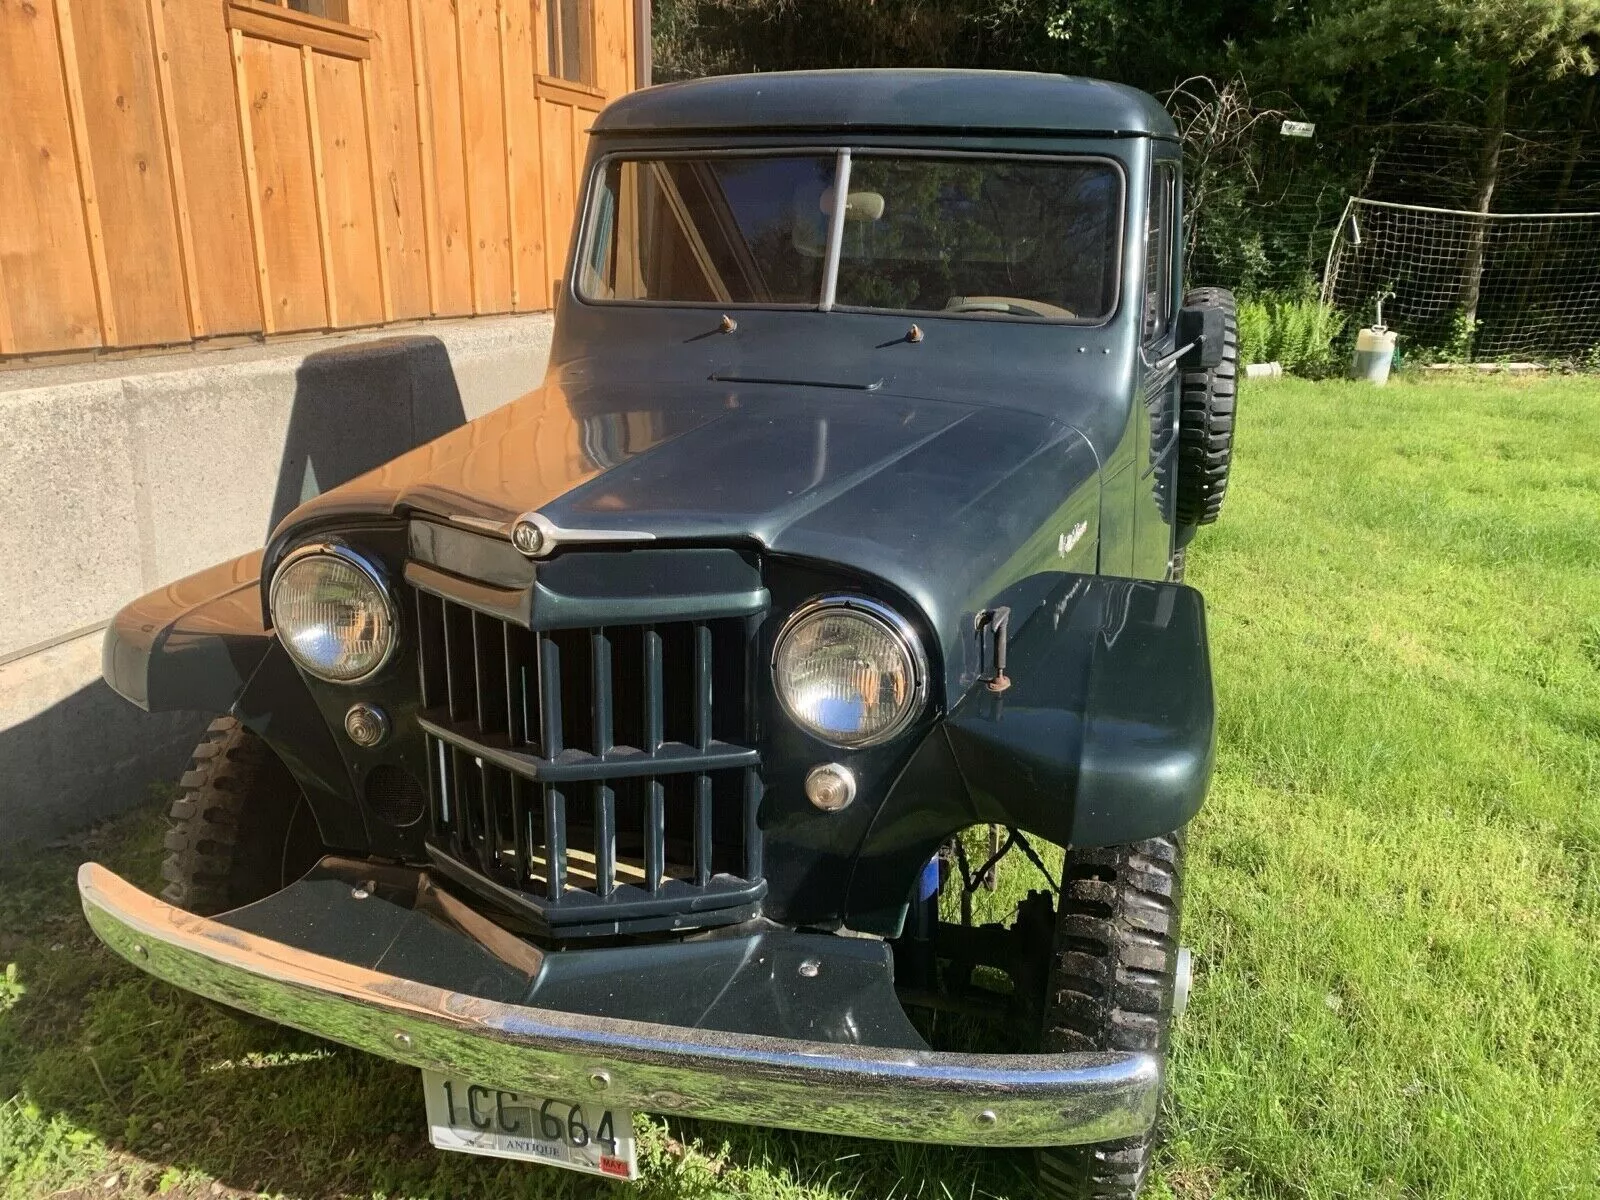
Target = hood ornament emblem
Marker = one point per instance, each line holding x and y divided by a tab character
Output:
536	535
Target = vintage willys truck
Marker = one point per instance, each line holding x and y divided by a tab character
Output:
635	746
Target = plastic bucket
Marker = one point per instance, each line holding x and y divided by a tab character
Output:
1374	355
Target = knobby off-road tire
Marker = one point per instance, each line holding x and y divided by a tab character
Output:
1206	410
240	830
1111	988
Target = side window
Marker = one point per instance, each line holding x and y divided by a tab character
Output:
569	26
331	10
1159	234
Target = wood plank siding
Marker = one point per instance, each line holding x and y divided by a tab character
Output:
179	170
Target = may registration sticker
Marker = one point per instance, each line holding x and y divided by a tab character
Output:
543	1129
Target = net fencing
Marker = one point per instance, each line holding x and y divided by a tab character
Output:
1531	281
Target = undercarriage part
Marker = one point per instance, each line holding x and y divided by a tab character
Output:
996	971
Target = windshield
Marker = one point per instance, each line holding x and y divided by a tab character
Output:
997	237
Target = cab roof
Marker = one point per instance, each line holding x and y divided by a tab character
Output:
951	101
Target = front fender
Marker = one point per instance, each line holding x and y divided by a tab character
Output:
191	645
200	645
1105	735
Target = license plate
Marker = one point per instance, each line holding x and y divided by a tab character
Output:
553	1130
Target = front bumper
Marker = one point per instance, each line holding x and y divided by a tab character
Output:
901	1095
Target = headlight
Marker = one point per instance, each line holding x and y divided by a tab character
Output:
849	671
332	613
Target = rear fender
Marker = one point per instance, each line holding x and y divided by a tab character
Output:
1105	735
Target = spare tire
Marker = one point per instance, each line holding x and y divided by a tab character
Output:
1205	423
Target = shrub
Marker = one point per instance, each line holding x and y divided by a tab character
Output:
1255	330
1293	328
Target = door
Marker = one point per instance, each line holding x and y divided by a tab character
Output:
1157	459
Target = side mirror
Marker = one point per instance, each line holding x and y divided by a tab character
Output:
1201	325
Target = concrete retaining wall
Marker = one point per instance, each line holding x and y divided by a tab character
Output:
118	477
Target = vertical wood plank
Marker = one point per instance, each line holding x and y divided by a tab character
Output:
369	130
449	156
286	187
555	30
247	146
613	38
390	94
122	103
558	119
319	185
503	35
347	191
587	70
180	188
630	46
540	39
86	184
430	188
205	112
524	159
47	284
466	155
8	339
484	141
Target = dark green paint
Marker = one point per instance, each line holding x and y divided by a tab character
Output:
994	462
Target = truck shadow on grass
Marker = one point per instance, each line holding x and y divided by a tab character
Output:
107	1072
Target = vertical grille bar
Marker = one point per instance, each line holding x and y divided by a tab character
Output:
424	641
452	701
461	829
514	735
655	835
487	834
702	685
605	839
528	817
555	842
439	754
549	696
702	829
528	685
479	700
520	842
653	691
752	830
600	653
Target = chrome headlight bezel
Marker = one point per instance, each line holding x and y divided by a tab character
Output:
890	622
373	574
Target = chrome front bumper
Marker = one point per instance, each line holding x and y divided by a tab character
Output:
901	1095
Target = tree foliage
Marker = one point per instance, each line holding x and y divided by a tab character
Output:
1229	70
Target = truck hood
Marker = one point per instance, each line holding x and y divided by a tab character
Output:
933	496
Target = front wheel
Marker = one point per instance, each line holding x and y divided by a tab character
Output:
1117	975
241	829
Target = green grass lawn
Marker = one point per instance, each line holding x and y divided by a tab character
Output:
1394	891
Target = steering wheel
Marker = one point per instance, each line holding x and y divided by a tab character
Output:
1010	306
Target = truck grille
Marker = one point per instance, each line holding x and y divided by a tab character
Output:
597	779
